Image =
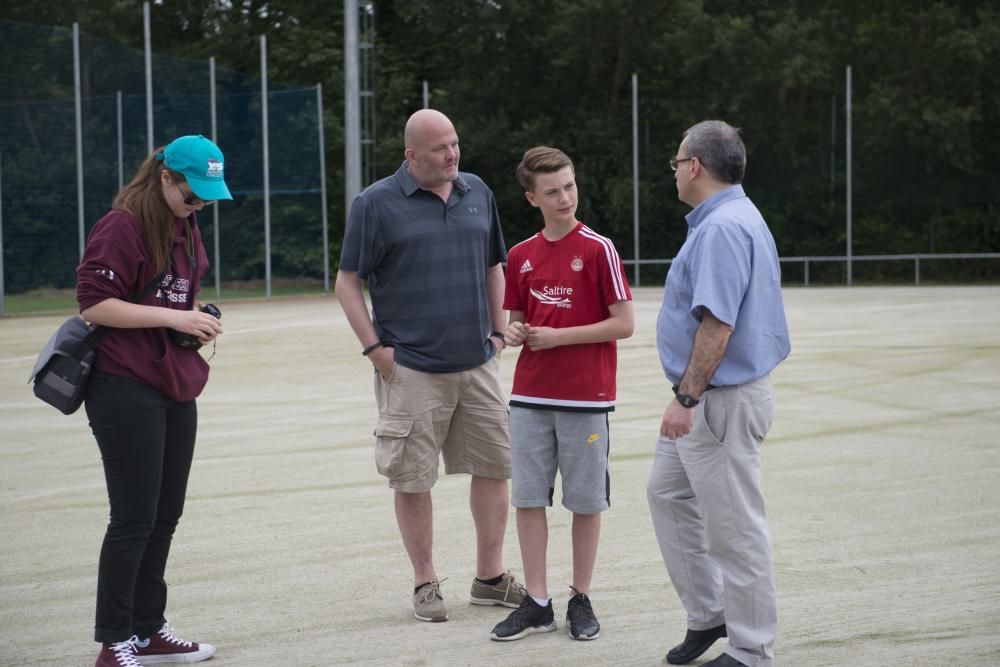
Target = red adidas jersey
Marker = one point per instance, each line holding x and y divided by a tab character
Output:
566	283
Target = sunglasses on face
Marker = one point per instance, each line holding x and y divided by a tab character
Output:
189	198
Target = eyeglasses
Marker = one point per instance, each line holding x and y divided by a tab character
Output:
190	199
674	161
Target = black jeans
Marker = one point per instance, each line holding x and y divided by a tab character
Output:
146	442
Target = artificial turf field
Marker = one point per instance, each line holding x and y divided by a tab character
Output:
882	475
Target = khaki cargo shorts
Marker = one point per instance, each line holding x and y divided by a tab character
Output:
460	416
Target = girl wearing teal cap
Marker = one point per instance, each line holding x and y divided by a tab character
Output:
139	277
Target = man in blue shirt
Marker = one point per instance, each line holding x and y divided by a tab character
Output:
720	333
428	242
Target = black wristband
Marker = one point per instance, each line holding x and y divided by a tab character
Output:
499	335
364	352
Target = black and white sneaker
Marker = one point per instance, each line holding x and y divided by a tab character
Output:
527	619
581	619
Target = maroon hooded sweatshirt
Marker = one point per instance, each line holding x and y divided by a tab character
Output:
117	264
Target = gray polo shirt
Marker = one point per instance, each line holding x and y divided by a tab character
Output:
425	262
729	265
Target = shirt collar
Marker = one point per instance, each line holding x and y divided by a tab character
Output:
704	209
409	185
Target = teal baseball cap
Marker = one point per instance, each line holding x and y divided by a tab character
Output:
201	163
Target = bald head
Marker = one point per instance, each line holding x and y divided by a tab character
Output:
431	148
423	122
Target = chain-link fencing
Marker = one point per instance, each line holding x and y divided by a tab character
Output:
45	215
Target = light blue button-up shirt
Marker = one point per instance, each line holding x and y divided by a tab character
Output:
729	265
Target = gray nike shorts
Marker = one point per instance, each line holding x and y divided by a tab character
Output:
574	443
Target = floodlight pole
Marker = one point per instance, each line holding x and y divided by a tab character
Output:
352	107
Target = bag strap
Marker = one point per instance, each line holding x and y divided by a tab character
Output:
99	332
149	288
192	257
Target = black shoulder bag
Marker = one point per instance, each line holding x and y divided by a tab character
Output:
63	367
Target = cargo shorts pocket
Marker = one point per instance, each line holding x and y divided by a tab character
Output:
391	435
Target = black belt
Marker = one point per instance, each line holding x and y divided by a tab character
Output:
676	388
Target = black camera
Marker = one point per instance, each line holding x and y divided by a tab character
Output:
190	341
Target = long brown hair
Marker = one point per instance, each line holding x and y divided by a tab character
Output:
143	198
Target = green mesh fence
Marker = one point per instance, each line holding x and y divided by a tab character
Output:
41	240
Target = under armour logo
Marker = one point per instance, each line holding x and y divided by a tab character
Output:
473	209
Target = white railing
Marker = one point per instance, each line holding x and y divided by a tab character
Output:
916	258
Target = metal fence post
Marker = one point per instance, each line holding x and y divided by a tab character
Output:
121	152
216	253
147	39
79	136
322	187
267	174
849	181
635	173
3	290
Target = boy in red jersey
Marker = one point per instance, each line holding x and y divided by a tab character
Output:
569	301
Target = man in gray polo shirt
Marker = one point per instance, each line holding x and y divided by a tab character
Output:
720	333
428	241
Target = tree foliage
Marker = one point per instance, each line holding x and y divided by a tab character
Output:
516	73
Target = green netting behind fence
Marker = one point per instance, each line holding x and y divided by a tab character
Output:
38	158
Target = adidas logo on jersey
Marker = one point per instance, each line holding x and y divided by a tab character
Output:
527	266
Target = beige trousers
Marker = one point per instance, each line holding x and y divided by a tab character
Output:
708	512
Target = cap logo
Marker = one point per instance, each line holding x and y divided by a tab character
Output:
214	168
